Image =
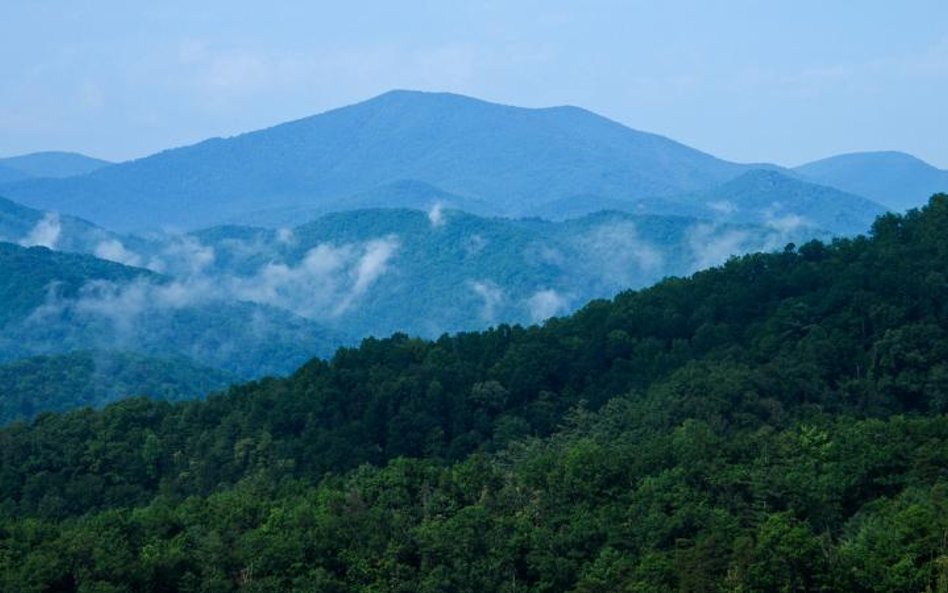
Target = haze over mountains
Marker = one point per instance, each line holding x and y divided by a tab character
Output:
897	180
401	149
398	214
332	281
55	164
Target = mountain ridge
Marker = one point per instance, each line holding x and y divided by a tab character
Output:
54	163
515	158
896	179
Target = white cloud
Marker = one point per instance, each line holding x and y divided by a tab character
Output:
114	250
371	266
183	256
436	215
786	223
544	304
492	296
614	252
723	207
46	233
711	246
286	236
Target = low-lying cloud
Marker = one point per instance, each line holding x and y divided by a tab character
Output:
712	245
492	297
547	303
326	283
114	250
436	215
46	233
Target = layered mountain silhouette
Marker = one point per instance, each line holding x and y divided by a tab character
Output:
251	301
49	164
402	149
54	303
30	227
772	198
897	180
378	271
54	164
412	212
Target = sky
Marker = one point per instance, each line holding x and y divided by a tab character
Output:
746	80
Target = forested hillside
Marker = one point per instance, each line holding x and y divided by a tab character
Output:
775	424
57	303
67	381
308	290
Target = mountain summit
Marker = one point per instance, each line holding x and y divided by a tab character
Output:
513	160
895	179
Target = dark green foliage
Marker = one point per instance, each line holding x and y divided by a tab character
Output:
64	382
772	425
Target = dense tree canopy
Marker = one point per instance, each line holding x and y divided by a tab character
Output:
63	382
775	424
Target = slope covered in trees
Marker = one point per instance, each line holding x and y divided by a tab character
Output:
330	282
776	424
55	303
63	382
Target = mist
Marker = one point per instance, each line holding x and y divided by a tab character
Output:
46	233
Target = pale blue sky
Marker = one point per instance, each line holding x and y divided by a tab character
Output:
785	82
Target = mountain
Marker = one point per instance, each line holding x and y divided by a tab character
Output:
378	271
10	175
413	195
255	301
55	303
772	198
53	164
898	180
512	159
774	424
28	275
64	382
30	227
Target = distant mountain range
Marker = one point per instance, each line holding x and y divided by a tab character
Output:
774	199
332	281
30	227
53	164
897	180
54	303
422	213
248	302
411	149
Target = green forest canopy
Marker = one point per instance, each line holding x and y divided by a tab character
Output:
775	424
